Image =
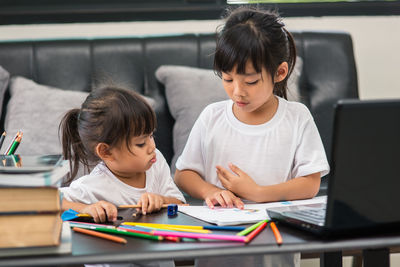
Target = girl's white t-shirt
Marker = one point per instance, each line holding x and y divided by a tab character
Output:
285	147
101	184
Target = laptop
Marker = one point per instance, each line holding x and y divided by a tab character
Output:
364	185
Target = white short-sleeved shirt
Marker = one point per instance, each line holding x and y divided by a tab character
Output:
101	184
285	147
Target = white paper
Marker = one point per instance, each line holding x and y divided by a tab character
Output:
251	213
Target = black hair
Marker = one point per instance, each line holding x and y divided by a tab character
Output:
109	115
259	36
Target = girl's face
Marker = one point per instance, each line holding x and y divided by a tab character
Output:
251	92
140	158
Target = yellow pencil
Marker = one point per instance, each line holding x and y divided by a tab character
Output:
184	228
155	225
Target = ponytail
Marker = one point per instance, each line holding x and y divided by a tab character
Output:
73	149
281	87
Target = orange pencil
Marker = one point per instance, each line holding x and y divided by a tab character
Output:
277	235
101	235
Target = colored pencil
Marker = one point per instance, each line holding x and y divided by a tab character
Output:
139	206
11	143
135	231
148	231
101	235
203	236
90	225
224	228
172	227
3	136
276	232
196	227
256	231
250	228
124	232
157	225
15	145
144	228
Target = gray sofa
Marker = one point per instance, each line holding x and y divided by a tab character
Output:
71	68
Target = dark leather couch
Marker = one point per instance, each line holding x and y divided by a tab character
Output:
329	71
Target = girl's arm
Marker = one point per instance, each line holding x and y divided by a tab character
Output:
244	186
100	211
171	200
192	183
153	202
298	188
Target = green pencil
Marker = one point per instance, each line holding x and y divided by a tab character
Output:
250	228
13	147
123	232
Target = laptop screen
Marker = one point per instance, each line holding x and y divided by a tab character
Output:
364	189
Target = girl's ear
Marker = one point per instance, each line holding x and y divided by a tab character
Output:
281	72
103	151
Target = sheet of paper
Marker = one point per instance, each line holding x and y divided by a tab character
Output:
251	213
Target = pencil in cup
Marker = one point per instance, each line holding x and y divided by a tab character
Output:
11	143
15	145
2	137
101	235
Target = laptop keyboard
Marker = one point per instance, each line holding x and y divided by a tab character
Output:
316	216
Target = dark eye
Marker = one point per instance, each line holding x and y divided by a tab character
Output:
250	83
227	80
141	144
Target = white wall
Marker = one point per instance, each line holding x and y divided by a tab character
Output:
376	41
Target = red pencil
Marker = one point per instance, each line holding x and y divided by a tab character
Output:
277	235
255	232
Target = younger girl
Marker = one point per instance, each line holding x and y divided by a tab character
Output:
257	145
114	128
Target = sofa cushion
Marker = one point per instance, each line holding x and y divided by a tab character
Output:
37	110
189	90
4	80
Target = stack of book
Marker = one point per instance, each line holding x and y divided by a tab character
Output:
30	203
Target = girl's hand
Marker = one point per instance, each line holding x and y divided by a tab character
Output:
238	182
150	202
101	211
224	198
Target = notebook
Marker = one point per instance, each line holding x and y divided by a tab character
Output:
364	184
